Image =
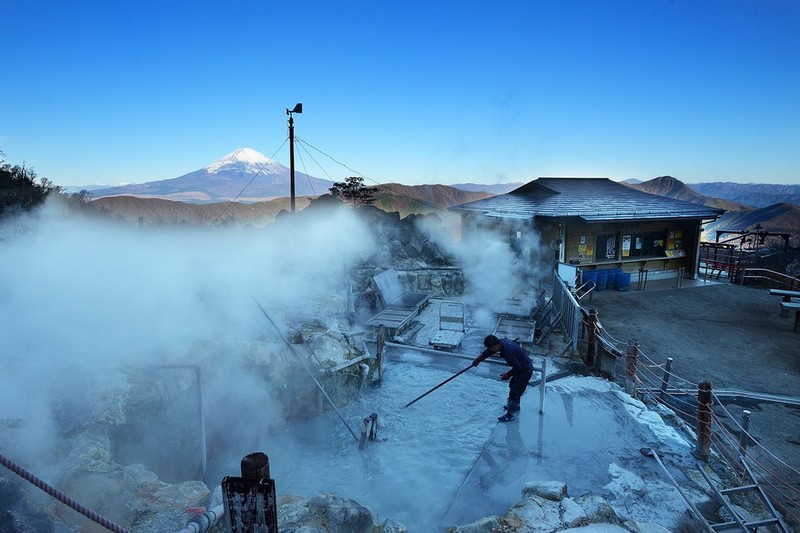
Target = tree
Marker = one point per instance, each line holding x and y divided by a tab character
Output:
19	188
353	192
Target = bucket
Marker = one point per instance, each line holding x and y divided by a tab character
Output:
611	279
623	281
600	279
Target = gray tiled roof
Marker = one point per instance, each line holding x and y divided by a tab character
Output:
592	199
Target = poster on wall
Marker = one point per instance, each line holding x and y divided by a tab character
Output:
611	247
626	246
589	250
638	244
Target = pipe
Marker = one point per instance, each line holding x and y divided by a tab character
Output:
201	414
364	371
652	453
437	352
204	522
310	373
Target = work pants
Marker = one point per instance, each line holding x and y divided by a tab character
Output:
516	387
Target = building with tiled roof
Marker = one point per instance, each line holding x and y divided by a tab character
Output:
593	223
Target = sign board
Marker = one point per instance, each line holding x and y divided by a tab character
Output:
568	273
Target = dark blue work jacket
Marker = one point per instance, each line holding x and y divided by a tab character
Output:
513	354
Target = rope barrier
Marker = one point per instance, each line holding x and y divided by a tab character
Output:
60	496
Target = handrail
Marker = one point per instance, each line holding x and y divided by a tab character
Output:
565	301
791	284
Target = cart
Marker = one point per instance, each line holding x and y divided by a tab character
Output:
451	326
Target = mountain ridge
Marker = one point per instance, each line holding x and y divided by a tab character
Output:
244	175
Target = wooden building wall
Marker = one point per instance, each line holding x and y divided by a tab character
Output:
636	242
631	245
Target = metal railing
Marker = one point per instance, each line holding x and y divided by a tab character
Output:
570	310
769	279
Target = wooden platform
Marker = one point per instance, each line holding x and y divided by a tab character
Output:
395	320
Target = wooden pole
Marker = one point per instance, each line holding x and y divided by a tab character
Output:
631	359
743	436
665	379
704	401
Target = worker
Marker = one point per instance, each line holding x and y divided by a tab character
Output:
518	376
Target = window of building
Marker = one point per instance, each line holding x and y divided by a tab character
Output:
610	246
647	244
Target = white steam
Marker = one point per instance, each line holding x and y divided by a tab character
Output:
495	269
81	300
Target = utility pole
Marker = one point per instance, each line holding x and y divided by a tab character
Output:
298	108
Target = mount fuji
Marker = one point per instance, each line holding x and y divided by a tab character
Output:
244	173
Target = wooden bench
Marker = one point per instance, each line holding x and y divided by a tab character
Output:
792	306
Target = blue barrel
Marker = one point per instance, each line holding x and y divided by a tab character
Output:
600	279
588	275
623	281
611	279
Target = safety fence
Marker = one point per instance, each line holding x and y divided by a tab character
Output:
569	311
699	406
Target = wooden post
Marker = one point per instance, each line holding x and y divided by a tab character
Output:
665	379
631	359
379	354
250	502
704	401
591	351
743	436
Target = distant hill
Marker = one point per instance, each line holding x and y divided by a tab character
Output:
493	189
417	199
407	199
157	211
676	189
777	218
245	175
755	194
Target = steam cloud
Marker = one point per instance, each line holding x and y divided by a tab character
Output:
82	300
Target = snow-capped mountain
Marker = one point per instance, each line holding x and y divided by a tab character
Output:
245	174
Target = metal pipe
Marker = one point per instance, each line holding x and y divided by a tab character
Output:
364	371
204	522
691	505
201	414
541	387
310	373
432	351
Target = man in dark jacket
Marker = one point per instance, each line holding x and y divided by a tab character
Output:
518	376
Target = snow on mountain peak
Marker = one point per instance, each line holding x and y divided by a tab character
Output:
246	158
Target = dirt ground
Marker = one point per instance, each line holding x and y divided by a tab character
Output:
731	336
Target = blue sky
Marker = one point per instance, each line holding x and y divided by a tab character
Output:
105	92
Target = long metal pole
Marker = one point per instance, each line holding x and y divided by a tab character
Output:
300	357
291	158
451	378
695	511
